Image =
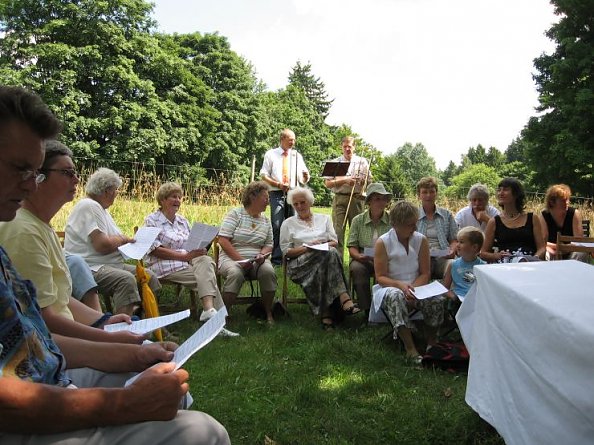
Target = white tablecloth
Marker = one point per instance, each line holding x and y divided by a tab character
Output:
529	328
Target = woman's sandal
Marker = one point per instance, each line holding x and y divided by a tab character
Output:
328	326
354	309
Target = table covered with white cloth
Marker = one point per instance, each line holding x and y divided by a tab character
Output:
529	328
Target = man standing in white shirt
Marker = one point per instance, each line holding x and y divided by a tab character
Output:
283	169
345	186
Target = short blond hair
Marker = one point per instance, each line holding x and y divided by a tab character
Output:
252	190
472	234
166	190
402	212
427	182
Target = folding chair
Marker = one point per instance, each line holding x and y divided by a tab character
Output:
568	244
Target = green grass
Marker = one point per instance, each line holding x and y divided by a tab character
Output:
296	384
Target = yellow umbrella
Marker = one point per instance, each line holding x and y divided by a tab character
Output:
149	302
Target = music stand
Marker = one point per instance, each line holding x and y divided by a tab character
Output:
332	169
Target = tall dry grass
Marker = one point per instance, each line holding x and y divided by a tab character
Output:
210	203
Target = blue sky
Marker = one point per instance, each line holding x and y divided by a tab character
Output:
449	74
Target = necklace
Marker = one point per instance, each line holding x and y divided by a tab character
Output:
308	221
511	217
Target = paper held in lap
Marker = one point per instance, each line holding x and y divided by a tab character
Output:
369	251
145	237
200	236
148	324
429	290
253	260
438	253
323	246
197	341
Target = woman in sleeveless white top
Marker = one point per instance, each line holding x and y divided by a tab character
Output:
402	262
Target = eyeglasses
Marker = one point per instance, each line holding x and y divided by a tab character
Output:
28	174
25	174
70	172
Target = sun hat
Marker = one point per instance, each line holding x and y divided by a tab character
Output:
376	187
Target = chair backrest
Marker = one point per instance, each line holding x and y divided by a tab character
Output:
586	227
567	244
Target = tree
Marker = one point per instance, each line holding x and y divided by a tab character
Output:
97	66
315	90
560	141
450	171
390	172
415	162
477	173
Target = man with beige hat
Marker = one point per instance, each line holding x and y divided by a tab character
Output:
366	228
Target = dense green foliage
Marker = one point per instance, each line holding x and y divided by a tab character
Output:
560	141
187	105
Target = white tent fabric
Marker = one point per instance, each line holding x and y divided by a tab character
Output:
529	328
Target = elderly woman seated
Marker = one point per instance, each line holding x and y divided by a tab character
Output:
92	233
514	235
168	259
308	242
478	212
559	217
402	263
366	228
246	243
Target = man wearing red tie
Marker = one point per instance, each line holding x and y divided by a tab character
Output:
283	169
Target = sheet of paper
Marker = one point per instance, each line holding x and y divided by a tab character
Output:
583	244
437	253
324	246
145	237
369	251
429	290
203	336
252	260
148	324
200	236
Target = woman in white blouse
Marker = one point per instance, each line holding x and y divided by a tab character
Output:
309	241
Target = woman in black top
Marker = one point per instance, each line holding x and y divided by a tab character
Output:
514	233
559	217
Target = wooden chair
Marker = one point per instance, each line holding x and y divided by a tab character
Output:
285	290
567	244
586	227
216	250
61	235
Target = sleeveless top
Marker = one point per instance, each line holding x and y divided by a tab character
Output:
518	241
402	266
566	229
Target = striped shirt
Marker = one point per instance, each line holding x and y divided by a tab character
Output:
248	234
445	225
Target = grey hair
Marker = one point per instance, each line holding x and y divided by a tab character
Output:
101	181
478	190
54	149
305	191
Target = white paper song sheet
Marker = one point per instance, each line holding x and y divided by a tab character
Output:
197	341
323	247
145	237
369	251
429	290
437	253
200	236
583	244
148	324
252	260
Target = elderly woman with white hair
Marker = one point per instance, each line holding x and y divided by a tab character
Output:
92	233
478	212
318	271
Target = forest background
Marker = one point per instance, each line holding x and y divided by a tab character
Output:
186	107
